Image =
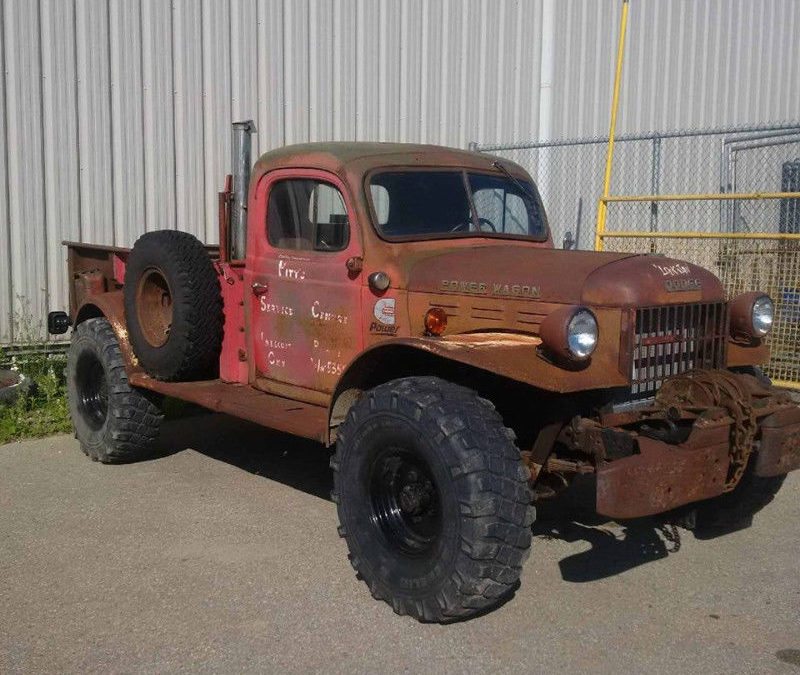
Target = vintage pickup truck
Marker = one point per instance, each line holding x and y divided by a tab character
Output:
404	305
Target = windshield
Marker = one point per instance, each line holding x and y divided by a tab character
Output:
439	204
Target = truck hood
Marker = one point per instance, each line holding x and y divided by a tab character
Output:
568	277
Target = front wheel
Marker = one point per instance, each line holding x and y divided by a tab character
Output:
433	498
113	421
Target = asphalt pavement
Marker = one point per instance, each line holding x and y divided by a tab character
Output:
222	556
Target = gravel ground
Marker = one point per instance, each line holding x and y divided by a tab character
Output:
222	556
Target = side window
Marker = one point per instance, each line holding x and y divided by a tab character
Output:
307	215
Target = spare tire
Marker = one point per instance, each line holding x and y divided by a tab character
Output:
173	306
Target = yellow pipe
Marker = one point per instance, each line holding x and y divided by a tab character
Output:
601	209
786	384
702	197
700	235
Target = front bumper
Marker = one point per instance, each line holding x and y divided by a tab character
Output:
725	413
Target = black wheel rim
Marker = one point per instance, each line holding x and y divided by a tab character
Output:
92	387
405	501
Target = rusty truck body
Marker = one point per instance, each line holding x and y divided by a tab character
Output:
404	305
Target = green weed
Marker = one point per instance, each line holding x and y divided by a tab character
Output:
41	409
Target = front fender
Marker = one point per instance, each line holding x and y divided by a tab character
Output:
511	355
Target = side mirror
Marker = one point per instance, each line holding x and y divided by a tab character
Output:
58	323
569	241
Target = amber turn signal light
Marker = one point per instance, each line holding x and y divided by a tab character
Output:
435	321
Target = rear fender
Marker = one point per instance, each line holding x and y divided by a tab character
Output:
109	305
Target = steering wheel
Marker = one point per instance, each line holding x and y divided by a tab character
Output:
481	221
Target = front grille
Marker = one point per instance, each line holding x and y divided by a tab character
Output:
675	339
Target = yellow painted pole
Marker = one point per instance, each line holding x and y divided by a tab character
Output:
628	234
602	206
703	197
786	384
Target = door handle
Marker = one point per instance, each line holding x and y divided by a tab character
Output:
259	289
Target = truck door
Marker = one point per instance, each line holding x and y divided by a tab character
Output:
305	305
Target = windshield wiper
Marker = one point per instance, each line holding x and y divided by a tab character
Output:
526	189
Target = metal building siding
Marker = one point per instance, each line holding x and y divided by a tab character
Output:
187	125
687	64
27	211
114	114
6	283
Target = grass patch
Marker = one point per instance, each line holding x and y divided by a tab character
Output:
41	409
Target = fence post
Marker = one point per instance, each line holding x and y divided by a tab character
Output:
655	184
601	224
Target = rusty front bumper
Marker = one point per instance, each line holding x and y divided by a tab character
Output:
727	412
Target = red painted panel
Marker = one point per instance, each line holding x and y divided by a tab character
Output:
233	359
304	306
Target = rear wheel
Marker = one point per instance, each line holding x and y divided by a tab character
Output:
113	421
433	498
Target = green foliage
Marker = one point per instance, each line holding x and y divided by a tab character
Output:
42	408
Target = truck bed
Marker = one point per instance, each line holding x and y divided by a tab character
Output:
275	412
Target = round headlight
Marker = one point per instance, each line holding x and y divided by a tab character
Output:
582	334
569	333
751	315
762	315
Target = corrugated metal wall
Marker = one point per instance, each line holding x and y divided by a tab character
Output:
114	115
687	64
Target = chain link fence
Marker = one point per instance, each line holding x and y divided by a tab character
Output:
569	173
727	199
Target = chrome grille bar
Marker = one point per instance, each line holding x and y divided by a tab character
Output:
673	339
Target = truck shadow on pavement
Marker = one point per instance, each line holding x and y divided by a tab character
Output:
293	461
615	547
303	465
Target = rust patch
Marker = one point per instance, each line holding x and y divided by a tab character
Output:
662	477
779	452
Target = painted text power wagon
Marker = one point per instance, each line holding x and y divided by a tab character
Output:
404	304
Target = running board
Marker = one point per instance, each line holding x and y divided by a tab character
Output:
245	402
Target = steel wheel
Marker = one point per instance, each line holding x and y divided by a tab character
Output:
92	386
154	306
405	501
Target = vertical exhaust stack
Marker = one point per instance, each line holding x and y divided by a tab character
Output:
241	181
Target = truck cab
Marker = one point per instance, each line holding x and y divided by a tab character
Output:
334	251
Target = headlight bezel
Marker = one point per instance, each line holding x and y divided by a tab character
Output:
558	338
742	312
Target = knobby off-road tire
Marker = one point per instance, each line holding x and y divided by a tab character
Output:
433	499
735	509
113	421
173	306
